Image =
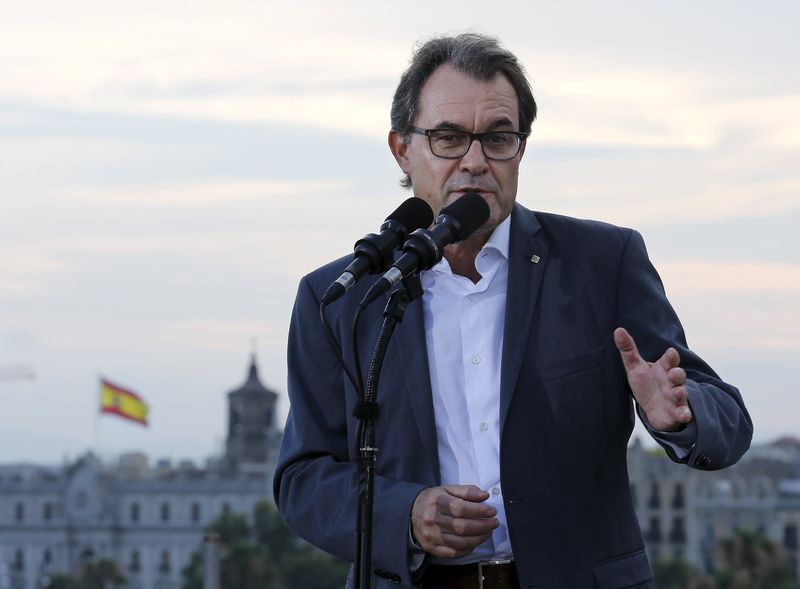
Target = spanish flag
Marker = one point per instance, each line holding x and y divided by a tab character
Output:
122	402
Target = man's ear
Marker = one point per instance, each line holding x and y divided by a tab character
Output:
399	149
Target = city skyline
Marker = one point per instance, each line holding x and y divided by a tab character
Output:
170	172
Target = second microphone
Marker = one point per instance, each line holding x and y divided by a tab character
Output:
424	248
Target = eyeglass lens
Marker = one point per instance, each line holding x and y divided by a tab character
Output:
452	144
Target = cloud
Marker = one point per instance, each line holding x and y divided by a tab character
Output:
740	277
740	305
207	193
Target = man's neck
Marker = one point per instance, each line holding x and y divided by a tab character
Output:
461	256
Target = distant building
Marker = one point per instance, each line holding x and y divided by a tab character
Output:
148	518
684	512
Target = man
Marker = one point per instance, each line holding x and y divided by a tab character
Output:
506	397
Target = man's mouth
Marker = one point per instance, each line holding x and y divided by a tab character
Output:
481	191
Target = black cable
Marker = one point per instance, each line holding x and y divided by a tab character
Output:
357	383
357	358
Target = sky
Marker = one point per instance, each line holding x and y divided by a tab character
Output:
169	171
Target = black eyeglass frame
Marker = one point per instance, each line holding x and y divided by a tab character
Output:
472	137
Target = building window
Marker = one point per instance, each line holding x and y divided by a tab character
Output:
707	544
790	537
195	512
87	555
47	557
678	533
134	512
654	531
226	508
654	502
19	560
47	512
678	499
164	565
19	512
135	565
165	512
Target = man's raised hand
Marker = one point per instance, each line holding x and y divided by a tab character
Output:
656	386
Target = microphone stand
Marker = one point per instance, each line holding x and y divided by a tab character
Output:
366	411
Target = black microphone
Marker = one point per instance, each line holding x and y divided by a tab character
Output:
374	253
424	249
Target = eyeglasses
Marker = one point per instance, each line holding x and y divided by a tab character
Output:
452	144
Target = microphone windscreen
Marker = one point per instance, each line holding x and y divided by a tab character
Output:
413	213
471	211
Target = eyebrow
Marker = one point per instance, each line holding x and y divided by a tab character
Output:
503	122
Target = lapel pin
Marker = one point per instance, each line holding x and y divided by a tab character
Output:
535	259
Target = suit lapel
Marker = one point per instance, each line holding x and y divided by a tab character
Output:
414	360
528	249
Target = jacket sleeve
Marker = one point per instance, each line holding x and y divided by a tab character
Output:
315	482
723	428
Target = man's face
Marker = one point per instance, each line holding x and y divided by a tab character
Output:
450	99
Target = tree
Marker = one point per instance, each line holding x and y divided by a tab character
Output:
310	568
749	560
679	574
231	528
266	555
247	566
100	574
62	581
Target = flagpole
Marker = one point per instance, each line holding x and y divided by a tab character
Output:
97	416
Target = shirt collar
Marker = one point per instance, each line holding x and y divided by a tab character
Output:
498	241
500	238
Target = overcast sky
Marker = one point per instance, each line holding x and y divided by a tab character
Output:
169	170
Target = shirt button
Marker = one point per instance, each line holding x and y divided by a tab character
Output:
471	298
476	359
484	426
495	491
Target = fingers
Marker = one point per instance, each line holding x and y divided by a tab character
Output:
467	492
669	359
676	376
455	546
447	525
627	349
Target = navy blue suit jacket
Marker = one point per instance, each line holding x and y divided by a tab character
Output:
566	411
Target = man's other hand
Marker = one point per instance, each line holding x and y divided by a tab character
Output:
656	386
450	521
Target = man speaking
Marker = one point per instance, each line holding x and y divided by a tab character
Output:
509	391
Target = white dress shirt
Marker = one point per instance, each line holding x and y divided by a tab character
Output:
464	336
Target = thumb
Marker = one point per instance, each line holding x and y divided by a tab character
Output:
467	492
627	349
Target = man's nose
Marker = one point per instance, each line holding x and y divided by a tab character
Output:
474	161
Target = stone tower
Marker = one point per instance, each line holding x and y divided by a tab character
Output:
251	417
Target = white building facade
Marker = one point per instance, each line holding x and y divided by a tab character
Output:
148	519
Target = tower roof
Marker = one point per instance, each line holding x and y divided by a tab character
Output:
252	387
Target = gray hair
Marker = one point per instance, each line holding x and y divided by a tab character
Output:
479	56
